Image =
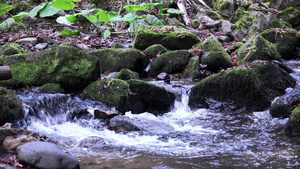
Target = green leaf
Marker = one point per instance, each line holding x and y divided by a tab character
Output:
155	21
106	33
130	17
174	11
70	33
20	15
7	23
33	13
134	8
49	10
150	6
75	18
5	8
103	16
65	4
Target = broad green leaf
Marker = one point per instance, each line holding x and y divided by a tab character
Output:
20	15
92	18
150	6
174	11
75	18
70	33
155	21
103	16
134	8
65	4
7	23
49	10
5	8
106	33
95	21
130	17
33	13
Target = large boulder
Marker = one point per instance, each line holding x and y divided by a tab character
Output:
283	4
192	69
155	50
112	92
155	99
46	155
291	15
292	127
170	62
116	59
215	58
257	48
63	63
11	108
170	37
252	86
285	40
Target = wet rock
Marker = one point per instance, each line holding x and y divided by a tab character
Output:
257	48
170	62
12	142
170	37
285	40
46	155
92	142
144	123
192	69
11	108
52	88
252	86
155	50
5	132
292	127
162	76
117	59
156	99
215	58
112	92
133	104
104	115
126	74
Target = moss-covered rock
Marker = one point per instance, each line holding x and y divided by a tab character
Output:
11	108
195	23
225	6
52	88
20	7
155	99
257	48
213	15
251	86
112	92
126	74
170	37
10	49
285	40
292	127
117	59
170	62
290	15
216	58
63	63
192	69
117	45
155	50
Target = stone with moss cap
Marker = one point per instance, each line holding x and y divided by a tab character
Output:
216	58
112	92
10	49
170	62
252	86
285	40
117	59
126	74
63	63
155	50
156	99
52	88
11	108
169	36
192	69
290	15
257	48
292	127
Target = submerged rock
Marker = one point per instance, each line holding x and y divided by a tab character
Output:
252	86
46	155
11	108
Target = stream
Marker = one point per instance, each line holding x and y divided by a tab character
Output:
180	139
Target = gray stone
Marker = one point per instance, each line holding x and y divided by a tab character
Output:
46	155
28	40
92	142
41	45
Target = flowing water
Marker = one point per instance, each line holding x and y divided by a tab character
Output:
182	138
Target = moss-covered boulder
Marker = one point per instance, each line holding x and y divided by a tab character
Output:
283	106
155	50
225	6
292	127
251	86
257	48
112	92
290	15
52	88
155	99
126	74
63	63
170	37
192	69
10	49
215	58
285	40
170	62
117	45
117	59
11	108
11	54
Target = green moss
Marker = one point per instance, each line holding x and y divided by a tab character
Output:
52	88
223	5
196	23
171	62
192	69
11	108
290	10
112	92
153	50
10	49
117	45
295	116
20	7
239	44
126	74
213	15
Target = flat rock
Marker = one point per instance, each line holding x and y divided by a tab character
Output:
28	40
